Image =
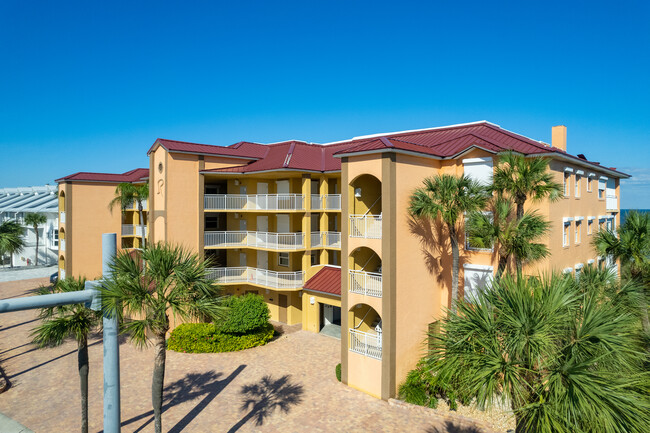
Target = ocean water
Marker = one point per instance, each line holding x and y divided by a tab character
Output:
624	213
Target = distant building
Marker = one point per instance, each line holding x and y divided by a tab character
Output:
14	204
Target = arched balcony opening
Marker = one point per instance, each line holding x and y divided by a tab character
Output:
365	272
365	333
61	267
62	239
364	207
62	207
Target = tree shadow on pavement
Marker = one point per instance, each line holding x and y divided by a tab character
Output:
267	395
450	427
205	385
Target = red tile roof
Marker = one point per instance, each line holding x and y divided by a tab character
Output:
135	175
243	149
327	280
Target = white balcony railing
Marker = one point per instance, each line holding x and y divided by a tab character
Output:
253	202
261	277
365	283
62	217
326	240
134	205
62	244
272	241
611	202
365	343
133	230
365	226
326	202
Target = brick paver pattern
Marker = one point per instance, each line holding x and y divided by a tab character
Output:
290	382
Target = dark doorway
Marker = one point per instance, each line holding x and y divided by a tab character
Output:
282	303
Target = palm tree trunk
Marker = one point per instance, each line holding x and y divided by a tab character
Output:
520	215
158	379
82	362
140	212
36	258
453	237
503	262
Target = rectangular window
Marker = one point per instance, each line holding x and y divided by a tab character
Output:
578	179
601	188
589	184
565	234
283	259
567	183
55	238
590	226
476	277
479	169
315	256
578	228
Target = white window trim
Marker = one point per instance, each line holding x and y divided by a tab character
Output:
568	169
579	265
280	255
472	267
591	261
566	234
577	234
567	270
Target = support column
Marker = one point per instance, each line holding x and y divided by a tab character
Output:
324	218
344	272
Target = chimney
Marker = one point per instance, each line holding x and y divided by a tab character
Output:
559	137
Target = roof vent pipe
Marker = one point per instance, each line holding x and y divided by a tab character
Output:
558	134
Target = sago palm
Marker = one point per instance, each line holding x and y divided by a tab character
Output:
524	179
69	321
448	198
565	359
11	239
146	288
35	219
128	193
512	237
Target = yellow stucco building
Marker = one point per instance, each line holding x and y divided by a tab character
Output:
322	231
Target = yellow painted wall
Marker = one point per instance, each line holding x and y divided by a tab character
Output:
311	312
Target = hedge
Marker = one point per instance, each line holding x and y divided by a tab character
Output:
246	313
206	338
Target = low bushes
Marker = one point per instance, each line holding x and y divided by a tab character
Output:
207	338
337	370
246	325
421	387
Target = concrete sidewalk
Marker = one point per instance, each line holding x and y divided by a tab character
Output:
8	425
25	273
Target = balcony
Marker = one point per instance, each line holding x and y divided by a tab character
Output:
134	205
62	245
365	283
611	202
253	202
260	277
133	230
62	217
240	239
326	240
365	226
365	343
326	202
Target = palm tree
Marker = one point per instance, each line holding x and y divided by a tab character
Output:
512	237
75	321
11	239
128	193
564	359
161	280
448	197
524	178
630	245
35	219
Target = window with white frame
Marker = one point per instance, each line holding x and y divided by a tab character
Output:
602	223
578	228
468	244
283	259
590	226
579	174
589	179
567	183
479	169
602	185
476	278
579	267
55	237
565	233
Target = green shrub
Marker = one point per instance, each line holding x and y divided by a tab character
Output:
246	313
337	370
206	338
418	387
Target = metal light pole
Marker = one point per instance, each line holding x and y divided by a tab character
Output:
91	296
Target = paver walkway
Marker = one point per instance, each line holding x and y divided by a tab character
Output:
287	386
25	273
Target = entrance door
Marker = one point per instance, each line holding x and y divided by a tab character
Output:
242	259
328	314
282	303
283	224
262	195
262	259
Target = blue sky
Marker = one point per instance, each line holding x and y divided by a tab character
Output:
89	86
